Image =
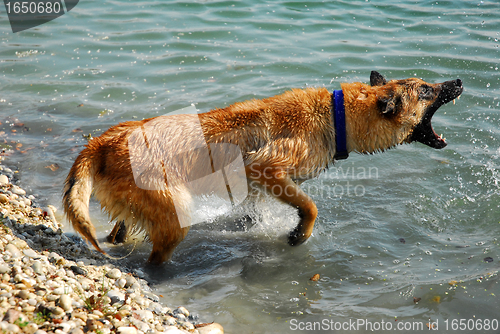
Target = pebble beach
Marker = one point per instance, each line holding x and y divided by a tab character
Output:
52	282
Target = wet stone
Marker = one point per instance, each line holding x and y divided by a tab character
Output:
76	331
152	296
130	280
4	268
18	191
30	253
11	315
4	180
3	198
114	273
144	315
126	330
65	302
38	268
121	282
24	294
211	329
13	250
79	271
12	328
116	296
181	310
31	328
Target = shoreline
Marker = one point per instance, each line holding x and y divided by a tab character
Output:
52	282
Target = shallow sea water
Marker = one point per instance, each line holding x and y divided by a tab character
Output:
391	226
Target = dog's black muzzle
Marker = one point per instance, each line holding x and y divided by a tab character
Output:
423	132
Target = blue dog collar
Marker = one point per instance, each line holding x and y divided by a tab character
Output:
338	111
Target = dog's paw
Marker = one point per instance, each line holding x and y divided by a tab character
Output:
120	236
296	238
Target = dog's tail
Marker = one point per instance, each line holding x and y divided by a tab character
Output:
76	196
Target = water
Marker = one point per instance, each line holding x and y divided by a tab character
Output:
419	221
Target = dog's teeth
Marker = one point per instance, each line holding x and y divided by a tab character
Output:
453	101
458	97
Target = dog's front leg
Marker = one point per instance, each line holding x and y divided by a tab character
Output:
281	186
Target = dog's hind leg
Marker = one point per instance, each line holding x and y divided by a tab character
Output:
119	233
282	187
164	245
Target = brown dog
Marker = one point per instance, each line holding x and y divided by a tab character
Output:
281	140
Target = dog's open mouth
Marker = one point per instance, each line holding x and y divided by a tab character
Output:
423	132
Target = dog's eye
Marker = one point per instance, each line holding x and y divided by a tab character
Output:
426	92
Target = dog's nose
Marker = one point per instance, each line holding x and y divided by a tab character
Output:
458	82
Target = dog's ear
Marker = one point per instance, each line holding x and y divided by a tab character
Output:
389	106
376	79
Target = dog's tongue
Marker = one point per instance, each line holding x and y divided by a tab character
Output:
425	134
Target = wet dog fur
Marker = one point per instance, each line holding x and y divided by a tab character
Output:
284	140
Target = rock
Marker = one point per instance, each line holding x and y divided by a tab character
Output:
186	325
79	271
171	321
40	331
116	296
30	253
76	331
13	250
24	294
94	325
38	268
126	330
30	328
86	283
97	313
28	309
65	302
211	329
80	315
140	325
114	273
121	282
144	315
18	191
57	311
11	315
4	180
51	297
12	328
151	296
20	244
3	198
140	301
4	268
173	330
181	310
158	308
65	327
130	280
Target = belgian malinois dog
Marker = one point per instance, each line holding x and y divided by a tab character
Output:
282	141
